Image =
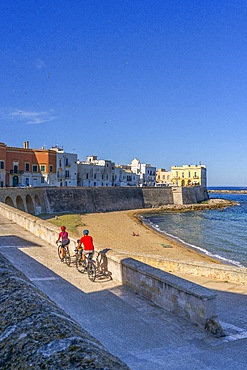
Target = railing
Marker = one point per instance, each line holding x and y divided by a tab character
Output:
16	171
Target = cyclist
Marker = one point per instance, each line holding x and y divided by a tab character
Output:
64	236
88	246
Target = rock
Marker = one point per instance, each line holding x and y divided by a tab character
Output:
214	327
37	334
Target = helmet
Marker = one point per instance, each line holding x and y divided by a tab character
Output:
63	228
85	232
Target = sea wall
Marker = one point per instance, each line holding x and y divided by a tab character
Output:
98	199
37	334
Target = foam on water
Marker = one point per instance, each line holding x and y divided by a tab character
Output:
219	234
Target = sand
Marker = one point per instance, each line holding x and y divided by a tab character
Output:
115	230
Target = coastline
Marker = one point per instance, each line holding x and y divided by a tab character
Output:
127	233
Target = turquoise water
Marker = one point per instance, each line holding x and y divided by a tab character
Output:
218	233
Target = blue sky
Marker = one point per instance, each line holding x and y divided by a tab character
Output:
162	80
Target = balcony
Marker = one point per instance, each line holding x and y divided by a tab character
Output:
19	172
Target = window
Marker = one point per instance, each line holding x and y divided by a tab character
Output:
60	163
50	168
66	162
1	165
42	167
27	167
42	180
66	173
15	168
35	168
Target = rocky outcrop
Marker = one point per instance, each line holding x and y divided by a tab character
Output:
36	334
210	204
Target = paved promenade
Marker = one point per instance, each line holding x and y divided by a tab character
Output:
142	335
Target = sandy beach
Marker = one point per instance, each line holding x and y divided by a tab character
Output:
125	233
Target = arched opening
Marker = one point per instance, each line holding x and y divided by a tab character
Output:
30	206
9	202
19	203
37	205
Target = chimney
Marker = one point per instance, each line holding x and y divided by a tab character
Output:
26	144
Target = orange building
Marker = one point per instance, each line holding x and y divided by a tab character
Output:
27	167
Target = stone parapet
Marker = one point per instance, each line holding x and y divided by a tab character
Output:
179	296
219	272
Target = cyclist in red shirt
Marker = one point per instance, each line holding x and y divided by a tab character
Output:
64	236
87	242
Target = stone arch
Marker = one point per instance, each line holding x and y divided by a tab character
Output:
20	203
9	201
30	206
38	208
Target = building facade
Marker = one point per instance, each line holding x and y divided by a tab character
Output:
163	177
100	172
95	172
189	175
66	167
27	167
146	172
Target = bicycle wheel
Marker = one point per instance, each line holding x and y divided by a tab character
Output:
59	251
67	256
91	270
80	265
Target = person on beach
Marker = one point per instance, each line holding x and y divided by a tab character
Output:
88	246
64	237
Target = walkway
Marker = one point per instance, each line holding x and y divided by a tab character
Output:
141	334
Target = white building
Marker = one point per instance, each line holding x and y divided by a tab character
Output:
130	178
95	172
100	172
66	170
146	171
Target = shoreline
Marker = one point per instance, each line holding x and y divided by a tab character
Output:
228	191
126	233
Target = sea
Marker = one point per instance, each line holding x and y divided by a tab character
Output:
220	233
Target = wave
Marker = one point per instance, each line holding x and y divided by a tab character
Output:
192	246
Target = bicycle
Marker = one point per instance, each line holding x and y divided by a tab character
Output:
67	257
87	265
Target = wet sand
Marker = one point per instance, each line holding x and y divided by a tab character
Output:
125	233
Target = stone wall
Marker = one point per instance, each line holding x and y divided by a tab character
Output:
36	334
98	199
176	295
